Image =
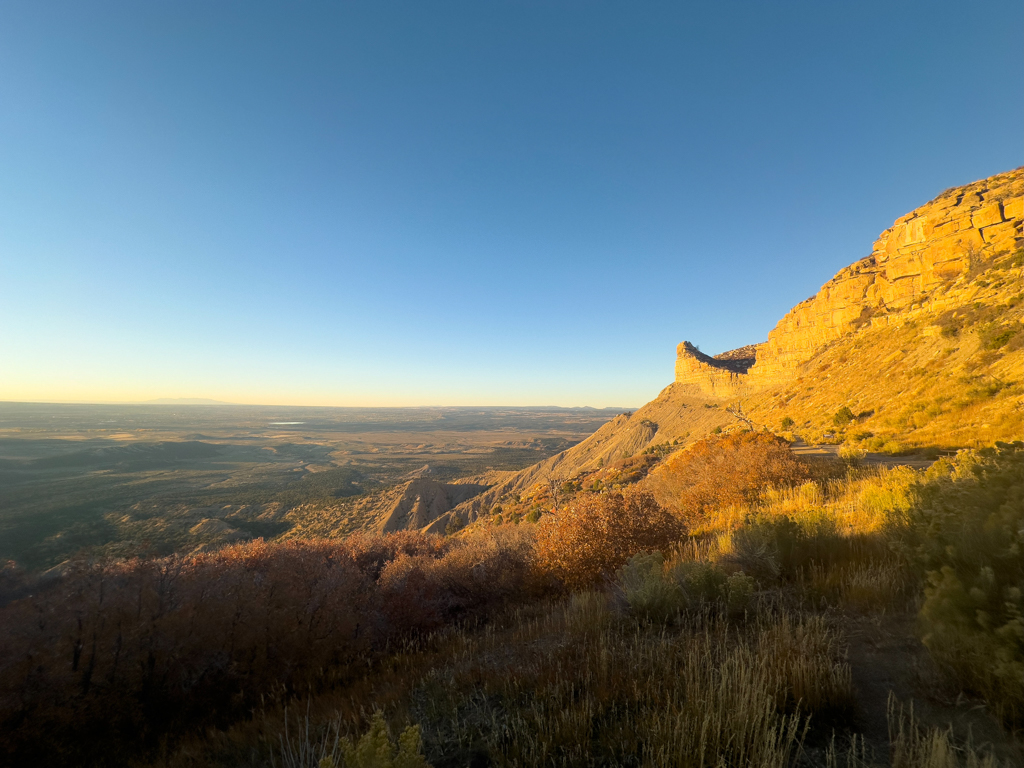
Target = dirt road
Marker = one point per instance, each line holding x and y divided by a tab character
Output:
800	448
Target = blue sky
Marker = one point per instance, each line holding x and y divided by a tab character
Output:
349	203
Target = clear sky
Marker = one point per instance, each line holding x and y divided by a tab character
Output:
380	203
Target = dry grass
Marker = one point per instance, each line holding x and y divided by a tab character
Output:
720	649
577	688
914	746
938	379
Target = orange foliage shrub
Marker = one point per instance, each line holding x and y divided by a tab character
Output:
372	552
111	660
487	569
723	471
596	533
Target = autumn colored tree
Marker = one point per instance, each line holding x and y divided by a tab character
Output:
596	533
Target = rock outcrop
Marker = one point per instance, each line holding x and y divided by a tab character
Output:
911	262
720	376
922	264
912	265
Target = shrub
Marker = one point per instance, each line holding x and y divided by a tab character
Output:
596	533
700	580
646	590
773	548
371	553
787	422
967	536
657	595
843	417
1000	340
893	448
739	592
719	472
852	453
375	749
114	658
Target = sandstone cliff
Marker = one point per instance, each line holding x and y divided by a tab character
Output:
719	376
954	253
912	268
910	265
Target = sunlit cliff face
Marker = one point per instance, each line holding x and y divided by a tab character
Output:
923	263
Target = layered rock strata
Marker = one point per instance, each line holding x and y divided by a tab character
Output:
720	376
911	266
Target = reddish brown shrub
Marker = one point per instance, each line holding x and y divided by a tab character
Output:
596	533
722	471
114	659
372	552
476	574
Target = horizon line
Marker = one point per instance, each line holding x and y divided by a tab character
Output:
215	403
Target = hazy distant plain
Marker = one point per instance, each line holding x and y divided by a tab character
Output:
119	480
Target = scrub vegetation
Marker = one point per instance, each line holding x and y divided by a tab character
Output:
788	613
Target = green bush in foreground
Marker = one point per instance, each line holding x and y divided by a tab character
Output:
376	750
657	593
967	535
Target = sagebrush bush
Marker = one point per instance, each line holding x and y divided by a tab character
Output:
967	537
375	749
701	581
649	594
327	748
596	533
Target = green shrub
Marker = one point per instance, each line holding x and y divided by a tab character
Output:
375	749
1000	340
787	422
648	593
739	592
657	595
756	551
774	548
843	417
852	453
967	536
701	581
893	448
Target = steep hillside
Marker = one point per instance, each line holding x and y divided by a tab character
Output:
675	415
920	341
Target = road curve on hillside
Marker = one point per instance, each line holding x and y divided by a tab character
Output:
800	448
